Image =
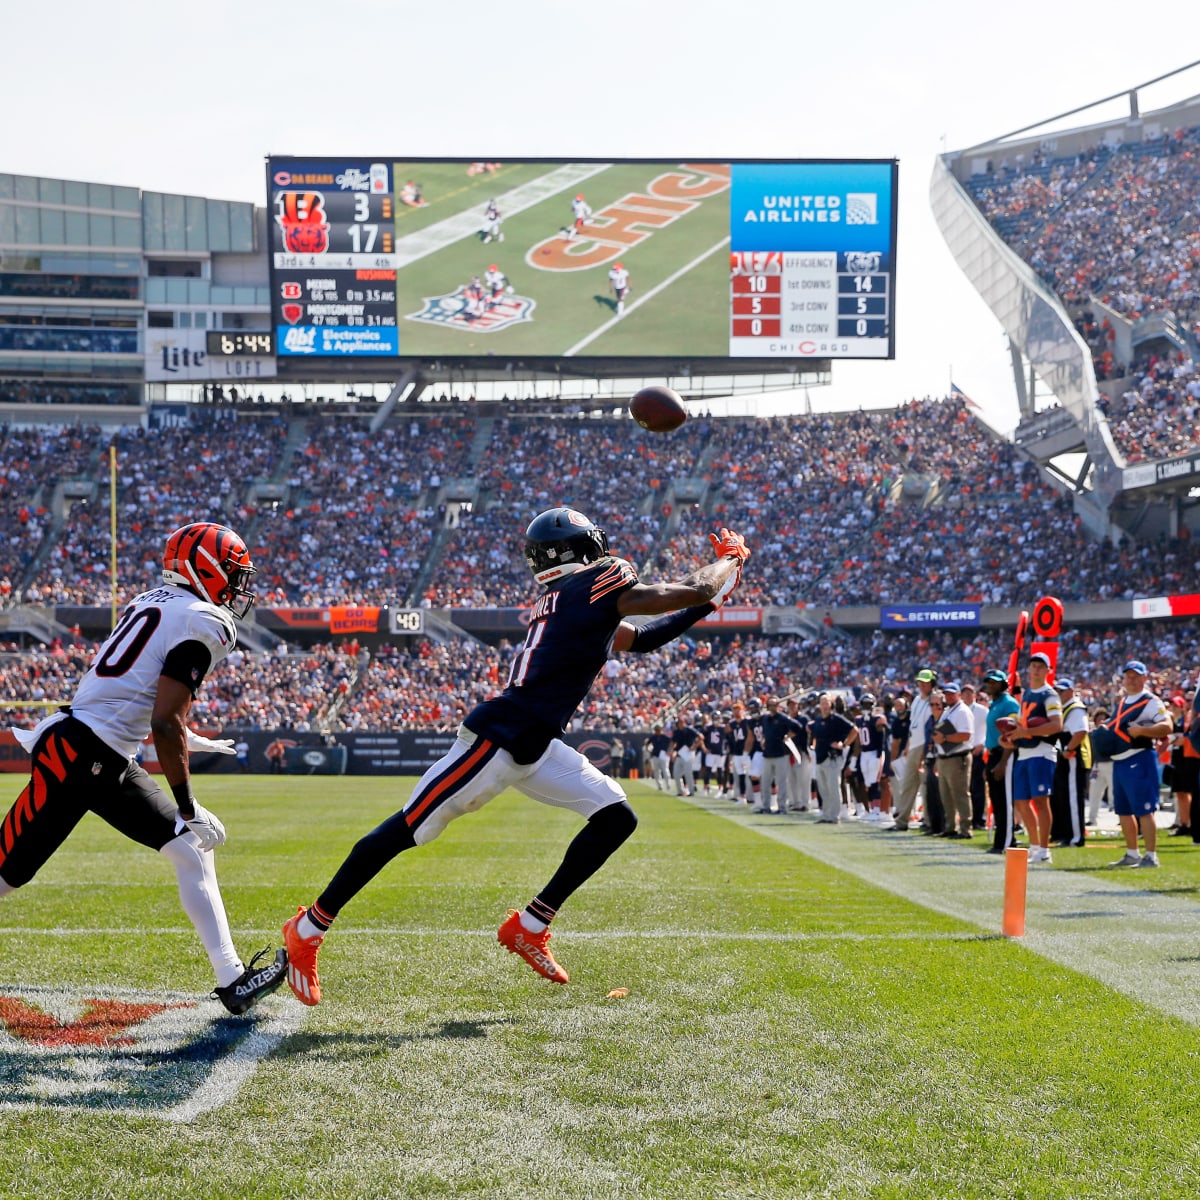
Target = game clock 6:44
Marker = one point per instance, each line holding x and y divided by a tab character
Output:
241	344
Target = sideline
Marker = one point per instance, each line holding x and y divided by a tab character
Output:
1144	944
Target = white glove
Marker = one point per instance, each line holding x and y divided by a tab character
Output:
196	741
206	827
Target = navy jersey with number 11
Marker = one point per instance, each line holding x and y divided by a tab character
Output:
571	629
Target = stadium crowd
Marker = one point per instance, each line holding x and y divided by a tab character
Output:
361	511
916	504
1155	417
615	471
164	477
1117	225
427	685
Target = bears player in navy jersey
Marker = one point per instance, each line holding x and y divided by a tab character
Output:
513	740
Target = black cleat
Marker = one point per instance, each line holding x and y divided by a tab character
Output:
255	981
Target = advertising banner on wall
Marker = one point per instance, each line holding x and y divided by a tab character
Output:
290	752
182	356
929	616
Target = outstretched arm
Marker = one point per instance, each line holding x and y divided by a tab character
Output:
688	601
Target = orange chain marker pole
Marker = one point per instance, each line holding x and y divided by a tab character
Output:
1016	872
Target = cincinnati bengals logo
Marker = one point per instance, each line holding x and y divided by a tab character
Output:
301	217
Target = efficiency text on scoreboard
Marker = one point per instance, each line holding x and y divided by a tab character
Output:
384	257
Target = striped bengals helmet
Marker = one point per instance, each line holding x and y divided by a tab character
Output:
213	562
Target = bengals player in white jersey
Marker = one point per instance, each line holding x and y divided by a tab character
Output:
618	282
143	680
580	211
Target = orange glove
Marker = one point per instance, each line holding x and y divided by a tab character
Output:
729	545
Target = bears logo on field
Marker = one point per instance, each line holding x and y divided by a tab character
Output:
460	311
143	1053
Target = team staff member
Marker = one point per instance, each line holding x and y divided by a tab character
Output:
998	759
685	749
1073	771
1139	720
1037	750
831	734
515	739
911	760
975	701
952	735
778	728
660	758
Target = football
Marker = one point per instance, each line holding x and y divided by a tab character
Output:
658	409
1004	724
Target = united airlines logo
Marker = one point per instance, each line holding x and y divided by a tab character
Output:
152	1054
458	310
862	208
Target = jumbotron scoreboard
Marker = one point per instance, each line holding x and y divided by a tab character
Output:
385	257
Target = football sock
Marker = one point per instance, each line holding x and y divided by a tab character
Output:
201	900
587	853
315	922
370	855
537	915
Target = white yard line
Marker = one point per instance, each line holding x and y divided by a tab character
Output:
565	935
230	1072
1141	943
591	337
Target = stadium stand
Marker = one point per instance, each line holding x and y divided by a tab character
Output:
1115	226
913	504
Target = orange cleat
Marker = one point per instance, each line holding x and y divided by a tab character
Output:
532	947
302	961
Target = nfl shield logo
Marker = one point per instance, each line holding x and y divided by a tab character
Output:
458	311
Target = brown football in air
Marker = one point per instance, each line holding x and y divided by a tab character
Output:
658	409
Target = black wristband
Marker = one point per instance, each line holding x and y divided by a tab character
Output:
183	796
659	632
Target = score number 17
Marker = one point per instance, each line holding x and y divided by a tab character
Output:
362	210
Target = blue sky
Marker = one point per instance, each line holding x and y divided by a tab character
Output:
191	98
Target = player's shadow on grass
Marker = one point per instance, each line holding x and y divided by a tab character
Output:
337	1045
606	302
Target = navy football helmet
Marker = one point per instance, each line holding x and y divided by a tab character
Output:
561	541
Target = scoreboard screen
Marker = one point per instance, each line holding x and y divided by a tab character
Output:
385	257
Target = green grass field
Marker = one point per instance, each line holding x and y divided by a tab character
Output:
689	316
791	1029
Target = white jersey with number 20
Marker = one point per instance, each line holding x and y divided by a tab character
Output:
115	699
